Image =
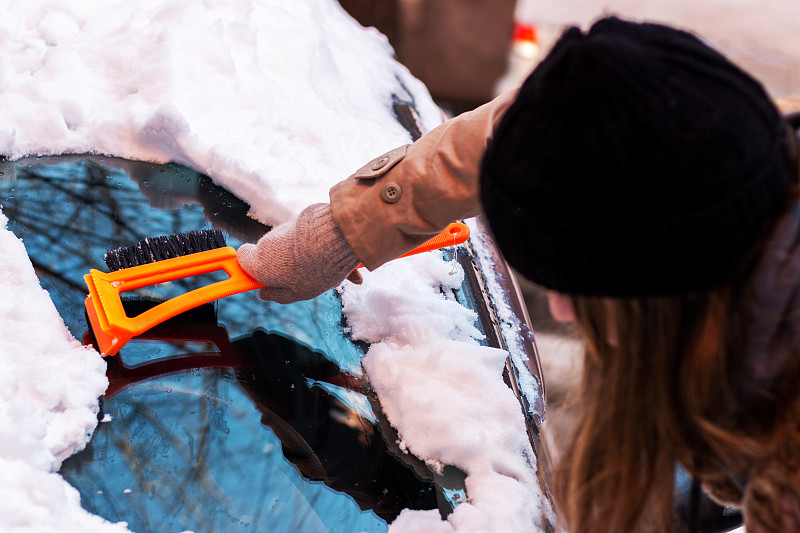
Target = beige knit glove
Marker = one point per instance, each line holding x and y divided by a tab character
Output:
302	259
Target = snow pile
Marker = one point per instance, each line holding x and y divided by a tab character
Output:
435	381
276	101
48	402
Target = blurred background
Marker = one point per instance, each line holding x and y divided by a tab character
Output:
762	37
464	50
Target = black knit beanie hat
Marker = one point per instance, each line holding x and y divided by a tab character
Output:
635	161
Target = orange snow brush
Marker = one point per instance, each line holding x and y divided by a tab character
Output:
163	259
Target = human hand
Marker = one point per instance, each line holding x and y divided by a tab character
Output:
300	260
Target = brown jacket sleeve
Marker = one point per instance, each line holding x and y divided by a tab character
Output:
400	199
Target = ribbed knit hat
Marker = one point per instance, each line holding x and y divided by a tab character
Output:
635	161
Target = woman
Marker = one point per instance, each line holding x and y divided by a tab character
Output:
651	186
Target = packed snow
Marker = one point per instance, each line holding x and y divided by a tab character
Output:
276	101
48	402
424	353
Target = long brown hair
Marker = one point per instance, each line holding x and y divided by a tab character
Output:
662	383
665	382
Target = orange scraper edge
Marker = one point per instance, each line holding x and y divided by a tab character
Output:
112	327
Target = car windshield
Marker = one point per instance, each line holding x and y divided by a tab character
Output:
242	414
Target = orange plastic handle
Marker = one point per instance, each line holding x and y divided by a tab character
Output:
113	328
455	233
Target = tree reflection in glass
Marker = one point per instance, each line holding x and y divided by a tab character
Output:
244	415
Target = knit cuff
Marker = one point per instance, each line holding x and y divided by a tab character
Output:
339	255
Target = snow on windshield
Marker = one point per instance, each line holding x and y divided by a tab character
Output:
276	101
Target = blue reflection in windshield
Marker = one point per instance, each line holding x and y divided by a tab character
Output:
237	421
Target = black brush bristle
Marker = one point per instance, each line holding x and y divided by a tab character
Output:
154	249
